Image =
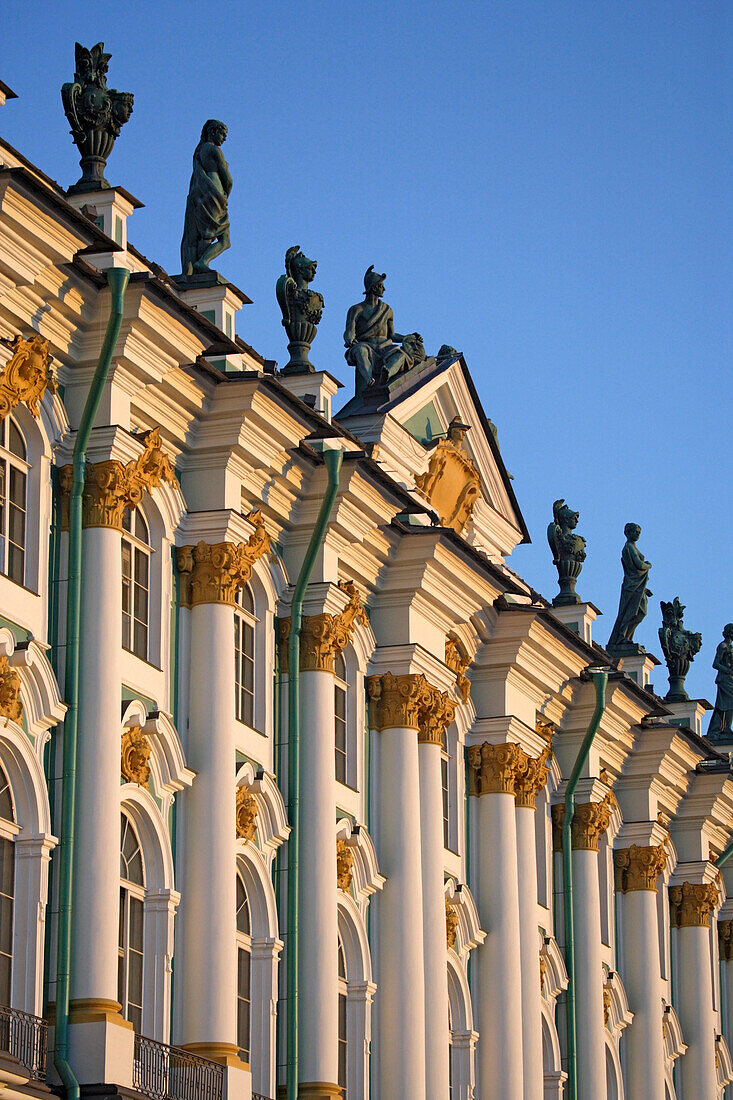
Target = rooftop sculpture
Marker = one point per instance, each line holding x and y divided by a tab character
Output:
722	717
96	114
373	347
679	647
206	224
634	593
301	307
568	552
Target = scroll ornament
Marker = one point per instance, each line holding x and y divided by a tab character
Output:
324	636
27	375
531	777
451	484
214	573
458	661
11	707
134	757
246	814
451	924
344	864
434	716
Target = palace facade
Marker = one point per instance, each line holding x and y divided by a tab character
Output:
402	894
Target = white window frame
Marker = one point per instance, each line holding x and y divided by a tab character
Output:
244	943
8	832
137	548
10	461
245	617
132	892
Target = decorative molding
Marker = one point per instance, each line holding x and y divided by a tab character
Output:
492	769
451	484
11	706
531	777
637	867
111	488
246	814
134	756
434	717
590	821
398	702
323	637
606	1007
544	727
458	661
557	813
283	637
725	937
27	375
452	921
344	864
543	971
213	573
691	904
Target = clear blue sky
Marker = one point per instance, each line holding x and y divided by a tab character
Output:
547	185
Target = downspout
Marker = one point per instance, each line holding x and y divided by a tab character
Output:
332	459
600	679
724	855
117	279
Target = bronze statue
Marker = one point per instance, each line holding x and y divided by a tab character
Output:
373	347
206	225
96	114
568	552
722	717
301	307
679	647
634	593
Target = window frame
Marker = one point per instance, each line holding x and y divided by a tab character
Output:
244	947
343	1020
138	550
342	756
8	832
10	461
245	620
131	894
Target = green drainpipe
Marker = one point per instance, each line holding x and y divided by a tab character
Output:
332	459
724	855
600	679
117	279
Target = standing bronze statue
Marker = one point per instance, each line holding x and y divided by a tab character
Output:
96	114
722	717
373	347
206	226
634	593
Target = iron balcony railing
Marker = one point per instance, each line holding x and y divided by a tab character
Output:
259	1096
169	1073
24	1037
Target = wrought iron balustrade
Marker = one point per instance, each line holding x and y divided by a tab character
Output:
169	1073
260	1096
24	1037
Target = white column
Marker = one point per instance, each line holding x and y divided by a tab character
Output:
589	1026
434	929
400	998
725	940
529	942
638	868
498	960
692	905
206	956
318	916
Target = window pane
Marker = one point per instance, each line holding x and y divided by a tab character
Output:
141	640
16	445
6	868
16	564
135	980
141	568
141	527
5	979
6	925
6	802
136	924
127	520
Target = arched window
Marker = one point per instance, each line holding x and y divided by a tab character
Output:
135	583
7	889
13	483
343	1063
131	934
244	655
244	973
341	721
450	1052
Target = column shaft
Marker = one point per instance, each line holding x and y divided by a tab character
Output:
530	958
642	980
695	1009
591	1047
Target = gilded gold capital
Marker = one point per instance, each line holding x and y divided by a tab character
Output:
112	487
324	636
246	813
637	868
530	777
214	573
692	903
434	717
725	937
458	660
398	701
451	924
492	769
11	706
135	753
590	821
544	727
26	375
344	864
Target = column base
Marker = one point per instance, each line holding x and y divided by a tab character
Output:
101	1045
314	1090
237	1076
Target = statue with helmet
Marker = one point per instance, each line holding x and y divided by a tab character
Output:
373	348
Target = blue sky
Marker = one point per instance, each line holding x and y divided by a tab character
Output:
547	185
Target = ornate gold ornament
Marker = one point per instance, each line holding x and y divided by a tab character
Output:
324	636
692	903
434	717
637	868
557	813
11	707
283	637
606	1007
544	727
344	864
458	660
530	777
543	971
111	488
725	937
27	375
492	769
590	821
213	573
246	815
134	757
398	701
451	484
451	924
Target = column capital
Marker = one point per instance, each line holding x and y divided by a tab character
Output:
112	487
323	636
213	573
590	821
725	937
638	867
434	717
530	778
492	769
398	701
691	904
